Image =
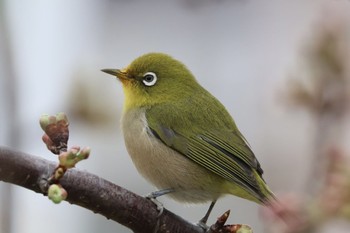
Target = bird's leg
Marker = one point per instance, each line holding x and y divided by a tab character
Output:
153	195
203	222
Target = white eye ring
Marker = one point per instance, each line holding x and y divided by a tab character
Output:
149	79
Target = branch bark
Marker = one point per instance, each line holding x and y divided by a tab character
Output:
92	192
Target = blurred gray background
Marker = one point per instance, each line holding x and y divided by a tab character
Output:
242	51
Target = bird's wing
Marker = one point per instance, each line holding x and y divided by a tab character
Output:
220	150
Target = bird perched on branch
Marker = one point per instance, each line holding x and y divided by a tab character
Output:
182	139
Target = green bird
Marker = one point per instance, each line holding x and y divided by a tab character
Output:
182	139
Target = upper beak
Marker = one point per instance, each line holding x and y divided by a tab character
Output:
116	72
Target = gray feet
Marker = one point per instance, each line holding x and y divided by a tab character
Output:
153	195
203	225
203	222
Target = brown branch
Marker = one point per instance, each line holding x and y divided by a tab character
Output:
93	193
90	191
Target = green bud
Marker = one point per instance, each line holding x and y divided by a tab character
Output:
71	157
245	229
44	121
56	193
74	150
68	159
84	153
61	117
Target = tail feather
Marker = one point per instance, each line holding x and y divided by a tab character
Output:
266	196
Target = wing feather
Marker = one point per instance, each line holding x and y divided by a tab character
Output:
221	150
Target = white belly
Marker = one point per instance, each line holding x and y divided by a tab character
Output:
163	166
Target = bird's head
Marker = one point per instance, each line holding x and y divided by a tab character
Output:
154	78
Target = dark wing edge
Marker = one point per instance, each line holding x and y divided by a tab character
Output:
230	165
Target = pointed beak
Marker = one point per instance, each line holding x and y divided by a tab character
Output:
116	72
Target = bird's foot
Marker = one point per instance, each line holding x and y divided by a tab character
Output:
203	225
160	206
203	222
153	195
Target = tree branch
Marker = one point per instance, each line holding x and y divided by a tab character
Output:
93	193
90	191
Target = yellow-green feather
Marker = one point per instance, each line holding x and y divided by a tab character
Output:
185	117
187	127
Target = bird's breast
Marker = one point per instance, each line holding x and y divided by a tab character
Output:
146	152
163	166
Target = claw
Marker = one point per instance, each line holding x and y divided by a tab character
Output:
153	195
160	206
203	225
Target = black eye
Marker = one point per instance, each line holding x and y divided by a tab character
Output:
149	79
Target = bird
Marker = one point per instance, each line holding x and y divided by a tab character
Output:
182	139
